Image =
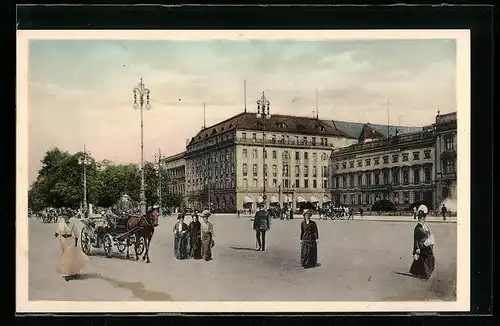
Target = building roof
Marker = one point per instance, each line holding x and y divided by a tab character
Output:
354	129
369	132
377	143
277	123
174	157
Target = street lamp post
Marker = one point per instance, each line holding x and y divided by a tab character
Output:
141	101
263	113
84	160
158	158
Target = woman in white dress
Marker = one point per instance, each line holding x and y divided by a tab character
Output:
72	258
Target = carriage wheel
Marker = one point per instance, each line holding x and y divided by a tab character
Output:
139	246
108	244
85	241
121	245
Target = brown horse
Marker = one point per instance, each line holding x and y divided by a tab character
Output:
142	227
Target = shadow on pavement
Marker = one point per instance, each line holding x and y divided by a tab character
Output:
243	248
86	276
138	290
442	285
118	256
404	274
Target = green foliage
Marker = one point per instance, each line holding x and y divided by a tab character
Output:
383	205
60	183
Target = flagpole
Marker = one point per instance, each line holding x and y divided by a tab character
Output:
317	105
204	116
245	93
388	120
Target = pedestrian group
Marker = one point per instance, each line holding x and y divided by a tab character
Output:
196	240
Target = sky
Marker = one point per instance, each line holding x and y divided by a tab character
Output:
81	91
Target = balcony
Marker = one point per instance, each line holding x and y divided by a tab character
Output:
385	186
380	187
446	176
282	142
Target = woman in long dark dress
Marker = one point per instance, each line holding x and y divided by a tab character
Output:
308	236
180	238
195	237
423	247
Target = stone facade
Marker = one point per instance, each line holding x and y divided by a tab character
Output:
225	162
176	174
446	157
404	168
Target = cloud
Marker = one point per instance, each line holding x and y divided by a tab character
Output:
81	92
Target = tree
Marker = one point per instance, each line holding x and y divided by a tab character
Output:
383	205
151	182
115	181
59	181
38	195
173	200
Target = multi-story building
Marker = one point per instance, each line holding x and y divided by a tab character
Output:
446	156
402	168
175	166
225	162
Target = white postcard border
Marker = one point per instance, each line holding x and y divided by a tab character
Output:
462	303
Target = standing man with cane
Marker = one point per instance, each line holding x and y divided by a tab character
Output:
261	224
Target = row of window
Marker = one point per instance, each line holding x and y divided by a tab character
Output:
176	189
288	184
384	178
385	160
323	141
286	170
285	155
449	143
371	198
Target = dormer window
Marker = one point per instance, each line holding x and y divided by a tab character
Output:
282	125
214	131
320	128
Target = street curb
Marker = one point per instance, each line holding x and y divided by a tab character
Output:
408	221
374	220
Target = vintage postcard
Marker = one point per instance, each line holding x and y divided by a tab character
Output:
243	171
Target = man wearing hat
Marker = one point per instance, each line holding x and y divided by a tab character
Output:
261	224
207	235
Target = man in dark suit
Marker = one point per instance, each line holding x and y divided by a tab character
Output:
261	224
444	210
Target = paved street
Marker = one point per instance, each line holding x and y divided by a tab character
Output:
360	261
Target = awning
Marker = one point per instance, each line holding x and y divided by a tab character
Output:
247	200
326	200
274	200
313	199
287	199
300	199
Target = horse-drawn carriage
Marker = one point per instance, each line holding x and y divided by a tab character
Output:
111	230
108	231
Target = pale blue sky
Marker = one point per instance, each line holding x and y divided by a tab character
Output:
81	90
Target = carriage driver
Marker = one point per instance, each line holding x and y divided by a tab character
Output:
155	214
